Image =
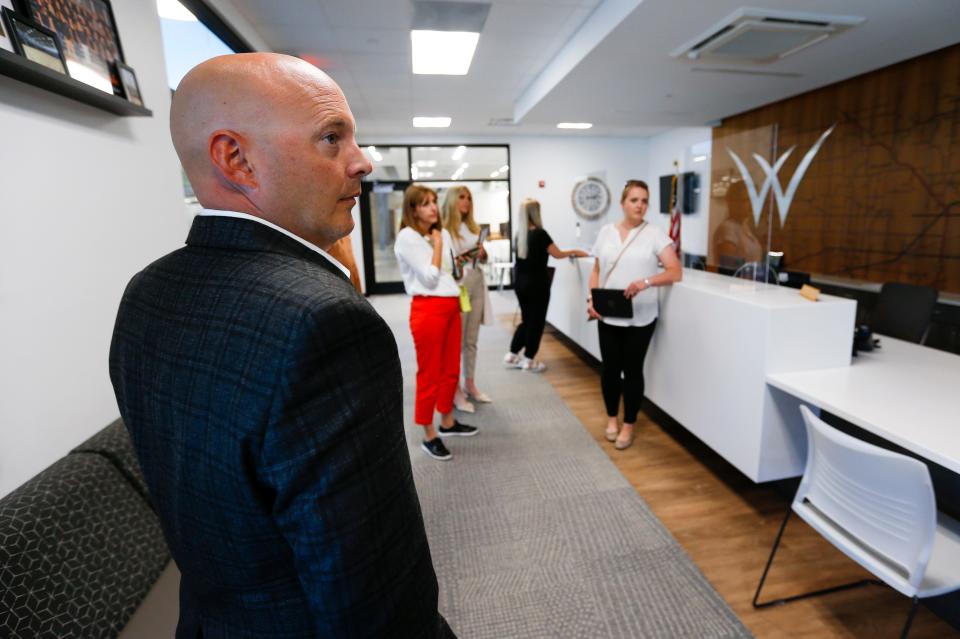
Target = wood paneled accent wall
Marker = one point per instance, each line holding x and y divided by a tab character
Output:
880	201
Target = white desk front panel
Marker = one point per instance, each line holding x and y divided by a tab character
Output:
716	342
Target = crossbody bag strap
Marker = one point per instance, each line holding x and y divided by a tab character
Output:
620	254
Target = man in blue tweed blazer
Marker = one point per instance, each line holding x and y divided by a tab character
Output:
262	392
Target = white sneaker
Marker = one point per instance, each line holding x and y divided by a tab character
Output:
512	360
532	365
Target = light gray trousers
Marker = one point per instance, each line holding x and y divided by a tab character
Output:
470	322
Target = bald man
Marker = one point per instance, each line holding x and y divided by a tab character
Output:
261	391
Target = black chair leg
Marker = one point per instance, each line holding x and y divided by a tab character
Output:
913	611
823	591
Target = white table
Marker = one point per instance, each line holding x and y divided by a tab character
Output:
905	393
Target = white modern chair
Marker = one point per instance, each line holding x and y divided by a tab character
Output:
878	507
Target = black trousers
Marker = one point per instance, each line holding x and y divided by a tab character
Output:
623	349
534	297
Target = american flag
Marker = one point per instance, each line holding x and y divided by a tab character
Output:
675	216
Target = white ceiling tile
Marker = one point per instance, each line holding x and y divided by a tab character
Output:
527	18
293	12
620	85
372	41
368	14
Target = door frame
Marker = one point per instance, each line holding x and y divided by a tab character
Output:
372	286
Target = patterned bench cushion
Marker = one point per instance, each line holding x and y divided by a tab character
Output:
79	549
113	442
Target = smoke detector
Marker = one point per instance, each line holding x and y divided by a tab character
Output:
762	36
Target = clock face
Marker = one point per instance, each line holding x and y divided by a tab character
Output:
591	198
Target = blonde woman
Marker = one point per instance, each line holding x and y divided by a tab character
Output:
532	285
424	251
458	220
628	253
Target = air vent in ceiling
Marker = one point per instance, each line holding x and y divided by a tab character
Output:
763	36
501	122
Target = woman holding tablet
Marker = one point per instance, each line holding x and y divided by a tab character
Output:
424	251
627	253
457	215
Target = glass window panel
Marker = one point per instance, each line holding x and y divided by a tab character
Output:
739	218
186	41
459	163
389	163
386	206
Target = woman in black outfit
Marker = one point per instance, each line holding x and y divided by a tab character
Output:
532	284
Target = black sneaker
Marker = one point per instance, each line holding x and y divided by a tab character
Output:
436	449
457	430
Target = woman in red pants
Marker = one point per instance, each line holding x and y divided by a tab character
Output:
425	253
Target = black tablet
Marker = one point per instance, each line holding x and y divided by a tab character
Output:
610	302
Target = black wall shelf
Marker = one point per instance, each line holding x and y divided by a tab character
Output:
19	68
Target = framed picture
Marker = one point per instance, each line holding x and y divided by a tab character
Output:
35	42
128	80
5	41
88	32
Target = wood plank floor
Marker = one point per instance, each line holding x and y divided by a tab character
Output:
727	524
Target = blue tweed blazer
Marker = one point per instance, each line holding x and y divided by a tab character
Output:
263	397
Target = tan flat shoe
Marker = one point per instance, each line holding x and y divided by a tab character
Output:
611	435
480	397
622	444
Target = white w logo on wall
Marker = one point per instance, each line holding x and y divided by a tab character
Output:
783	199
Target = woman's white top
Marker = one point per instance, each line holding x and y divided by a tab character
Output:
467	241
420	277
637	262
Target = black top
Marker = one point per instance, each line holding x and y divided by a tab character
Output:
534	267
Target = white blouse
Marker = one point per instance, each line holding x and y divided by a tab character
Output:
640	260
467	241
420	277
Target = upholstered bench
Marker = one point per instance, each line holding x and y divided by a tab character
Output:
80	545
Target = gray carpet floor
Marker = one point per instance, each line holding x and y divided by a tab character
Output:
533	530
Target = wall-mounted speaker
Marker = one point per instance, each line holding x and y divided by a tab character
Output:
690	195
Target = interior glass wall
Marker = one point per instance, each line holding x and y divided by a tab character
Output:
484	169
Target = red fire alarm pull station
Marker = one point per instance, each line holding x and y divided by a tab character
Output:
541	184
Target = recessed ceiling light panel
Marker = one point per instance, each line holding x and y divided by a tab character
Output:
424	122
574	125
443	52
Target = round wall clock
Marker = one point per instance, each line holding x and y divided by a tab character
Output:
591	198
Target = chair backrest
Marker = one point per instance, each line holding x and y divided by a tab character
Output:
904	311
883	499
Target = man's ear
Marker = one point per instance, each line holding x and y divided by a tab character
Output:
228	155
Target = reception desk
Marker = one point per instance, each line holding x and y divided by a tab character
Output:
717	341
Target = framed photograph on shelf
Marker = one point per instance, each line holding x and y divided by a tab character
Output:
34	42
128	80
5	42
88	32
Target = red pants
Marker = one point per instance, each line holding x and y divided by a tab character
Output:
435	324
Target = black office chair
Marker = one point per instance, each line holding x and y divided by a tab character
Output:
904	311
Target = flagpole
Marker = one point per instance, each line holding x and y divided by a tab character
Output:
675	218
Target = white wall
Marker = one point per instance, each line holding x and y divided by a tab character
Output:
682	145
87	199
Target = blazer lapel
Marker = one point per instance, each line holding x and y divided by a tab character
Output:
215	231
